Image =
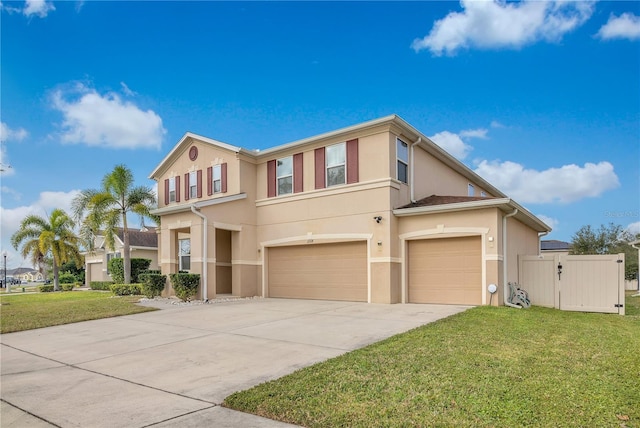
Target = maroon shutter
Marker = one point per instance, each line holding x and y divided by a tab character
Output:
271	178
177	188
223	178
199	182
352	161
186	187
320	168
210	181
298	176
166	191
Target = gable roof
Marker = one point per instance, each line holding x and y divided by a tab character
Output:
443	204
147	238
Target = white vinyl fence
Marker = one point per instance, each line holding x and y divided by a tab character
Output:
574	283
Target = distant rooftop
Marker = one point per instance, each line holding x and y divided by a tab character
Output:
554	245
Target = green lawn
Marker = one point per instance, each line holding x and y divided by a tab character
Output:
488	366
28	311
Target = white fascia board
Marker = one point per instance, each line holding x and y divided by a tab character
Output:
207	140
197	205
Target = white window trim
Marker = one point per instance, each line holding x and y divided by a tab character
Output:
193	185
172	193
343	165
218	169
471	190
278	177
398	160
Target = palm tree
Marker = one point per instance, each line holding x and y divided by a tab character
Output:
107	209
39	236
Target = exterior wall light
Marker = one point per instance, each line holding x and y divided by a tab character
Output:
378	219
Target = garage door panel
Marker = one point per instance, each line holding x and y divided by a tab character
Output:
445	271
319	271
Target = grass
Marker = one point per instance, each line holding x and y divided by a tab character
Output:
20	312
485	367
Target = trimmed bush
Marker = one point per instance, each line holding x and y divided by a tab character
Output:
116	269
152	284
67	286
45	288
67	278
185	285
101	285
126	289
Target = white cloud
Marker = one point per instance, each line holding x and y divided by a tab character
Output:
8	134
9	191
452	143
633	228
566	184
497	24
106	120
125	89
40	8
12	217
474	133
549	221
496	124
625	26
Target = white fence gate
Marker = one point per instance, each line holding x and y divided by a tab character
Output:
574	283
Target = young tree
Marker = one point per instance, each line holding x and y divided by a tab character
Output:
38	237
106	209
608	239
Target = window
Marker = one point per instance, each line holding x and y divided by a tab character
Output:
193	185
109	257
184	254
336	164
402	154
483	194
216	179
172	189
471	191
284	175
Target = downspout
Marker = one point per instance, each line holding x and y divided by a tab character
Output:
637	274
205	266
412	171
504	259
540	235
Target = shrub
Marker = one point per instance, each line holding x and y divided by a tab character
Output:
67	286
152	284
101	285
116	269
45	288
67	278
185	285
125	289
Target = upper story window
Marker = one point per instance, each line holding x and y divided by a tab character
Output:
172	189
193	185
284	175
216	179
184	253
483	194
402	155
471	191
336	161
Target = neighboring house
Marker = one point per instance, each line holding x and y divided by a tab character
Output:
25	274
143	244
553	246
375	212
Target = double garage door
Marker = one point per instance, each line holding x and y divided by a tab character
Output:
335	271
446	270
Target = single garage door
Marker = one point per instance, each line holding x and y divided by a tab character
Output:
96	273
319	271
446	270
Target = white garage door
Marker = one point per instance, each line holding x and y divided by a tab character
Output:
446	271
319	271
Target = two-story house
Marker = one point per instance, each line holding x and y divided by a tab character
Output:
143	244
374	212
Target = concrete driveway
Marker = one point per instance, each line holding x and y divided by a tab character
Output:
175	366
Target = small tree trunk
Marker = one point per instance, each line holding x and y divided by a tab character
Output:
56	281
127	254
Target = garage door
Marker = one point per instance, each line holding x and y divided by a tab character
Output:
446	271
319	271
96	272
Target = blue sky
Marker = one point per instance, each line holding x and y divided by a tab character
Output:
540	98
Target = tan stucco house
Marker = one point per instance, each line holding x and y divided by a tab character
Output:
374	212
143	244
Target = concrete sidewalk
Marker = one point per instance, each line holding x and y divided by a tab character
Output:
175	366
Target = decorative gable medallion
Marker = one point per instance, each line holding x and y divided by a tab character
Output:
193	153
